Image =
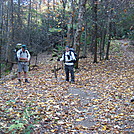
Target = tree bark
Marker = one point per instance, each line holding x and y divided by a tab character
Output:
82	9
63	25
70	32
9	34
29	24
1	27
109	40
102	44
95	30
12	22
84	55
19	24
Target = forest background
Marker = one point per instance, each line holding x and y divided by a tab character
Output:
86	25
101	32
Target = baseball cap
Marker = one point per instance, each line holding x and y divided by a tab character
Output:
68	46
24	46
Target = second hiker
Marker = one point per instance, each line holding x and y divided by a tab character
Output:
68	57
23	56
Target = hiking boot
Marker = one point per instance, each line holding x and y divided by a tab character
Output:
132	100
72	82
67	80
19	81
26	80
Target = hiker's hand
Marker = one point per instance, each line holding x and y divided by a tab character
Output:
73	61
58	59
23	59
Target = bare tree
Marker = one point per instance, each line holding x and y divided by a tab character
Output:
82	9
70	32
95	3
10	34
1	27
29	23
109	40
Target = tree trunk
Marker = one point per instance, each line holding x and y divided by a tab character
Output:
1	27
95	30
12	22
11	55
29	24
82	9
0	57
48	15
53	25
10	35
84	54
19	24
102	44
70	32
109	40
63	22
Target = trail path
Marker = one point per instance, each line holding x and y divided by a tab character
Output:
98	103
86	96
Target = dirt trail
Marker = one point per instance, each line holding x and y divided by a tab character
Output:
86	96
98	103
127	49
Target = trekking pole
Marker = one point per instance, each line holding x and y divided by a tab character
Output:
57	65
55	73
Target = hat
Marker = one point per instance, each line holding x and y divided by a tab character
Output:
18	46
24	46
68	46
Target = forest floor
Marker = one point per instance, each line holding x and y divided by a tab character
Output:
98	102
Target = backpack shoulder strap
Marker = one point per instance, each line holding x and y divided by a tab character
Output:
64	56
20	52
70	52
26	52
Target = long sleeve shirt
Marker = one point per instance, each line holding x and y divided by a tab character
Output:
23	54
69	56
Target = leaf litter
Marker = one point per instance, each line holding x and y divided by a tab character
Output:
99	101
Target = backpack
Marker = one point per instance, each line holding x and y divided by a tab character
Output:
75	54
15	55
17	47
16	58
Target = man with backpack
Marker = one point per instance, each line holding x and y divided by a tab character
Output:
69	58
17	47
23	56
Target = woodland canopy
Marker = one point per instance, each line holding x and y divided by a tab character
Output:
86	25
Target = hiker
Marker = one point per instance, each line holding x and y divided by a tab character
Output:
23	56
68	57
17	47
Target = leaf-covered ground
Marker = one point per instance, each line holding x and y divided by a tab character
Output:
98	103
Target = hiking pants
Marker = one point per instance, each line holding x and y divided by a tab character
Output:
69	69
22	66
